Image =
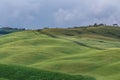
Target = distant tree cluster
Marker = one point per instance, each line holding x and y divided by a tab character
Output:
97	25
115	25
9	28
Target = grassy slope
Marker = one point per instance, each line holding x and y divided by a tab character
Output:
8	72
90	51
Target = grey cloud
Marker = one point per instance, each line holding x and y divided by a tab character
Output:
58	13
89	12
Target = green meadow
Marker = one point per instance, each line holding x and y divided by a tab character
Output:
86	53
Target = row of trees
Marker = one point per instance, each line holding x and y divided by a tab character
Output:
9	28
116	25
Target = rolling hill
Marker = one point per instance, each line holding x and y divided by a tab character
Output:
88	51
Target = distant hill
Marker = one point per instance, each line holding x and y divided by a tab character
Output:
7	30
107	31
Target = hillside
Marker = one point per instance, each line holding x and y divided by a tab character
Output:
106	31
89	51
8	72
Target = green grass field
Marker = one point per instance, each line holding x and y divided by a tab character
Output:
10	72
91	51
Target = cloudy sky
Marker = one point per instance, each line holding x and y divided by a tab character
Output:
58	13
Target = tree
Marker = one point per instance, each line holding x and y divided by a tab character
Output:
95	25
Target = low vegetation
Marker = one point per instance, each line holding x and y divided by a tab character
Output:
89	51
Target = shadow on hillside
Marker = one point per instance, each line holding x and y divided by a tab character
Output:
82	44
51	35
76	42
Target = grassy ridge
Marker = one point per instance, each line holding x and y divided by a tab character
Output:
90	51
94	32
